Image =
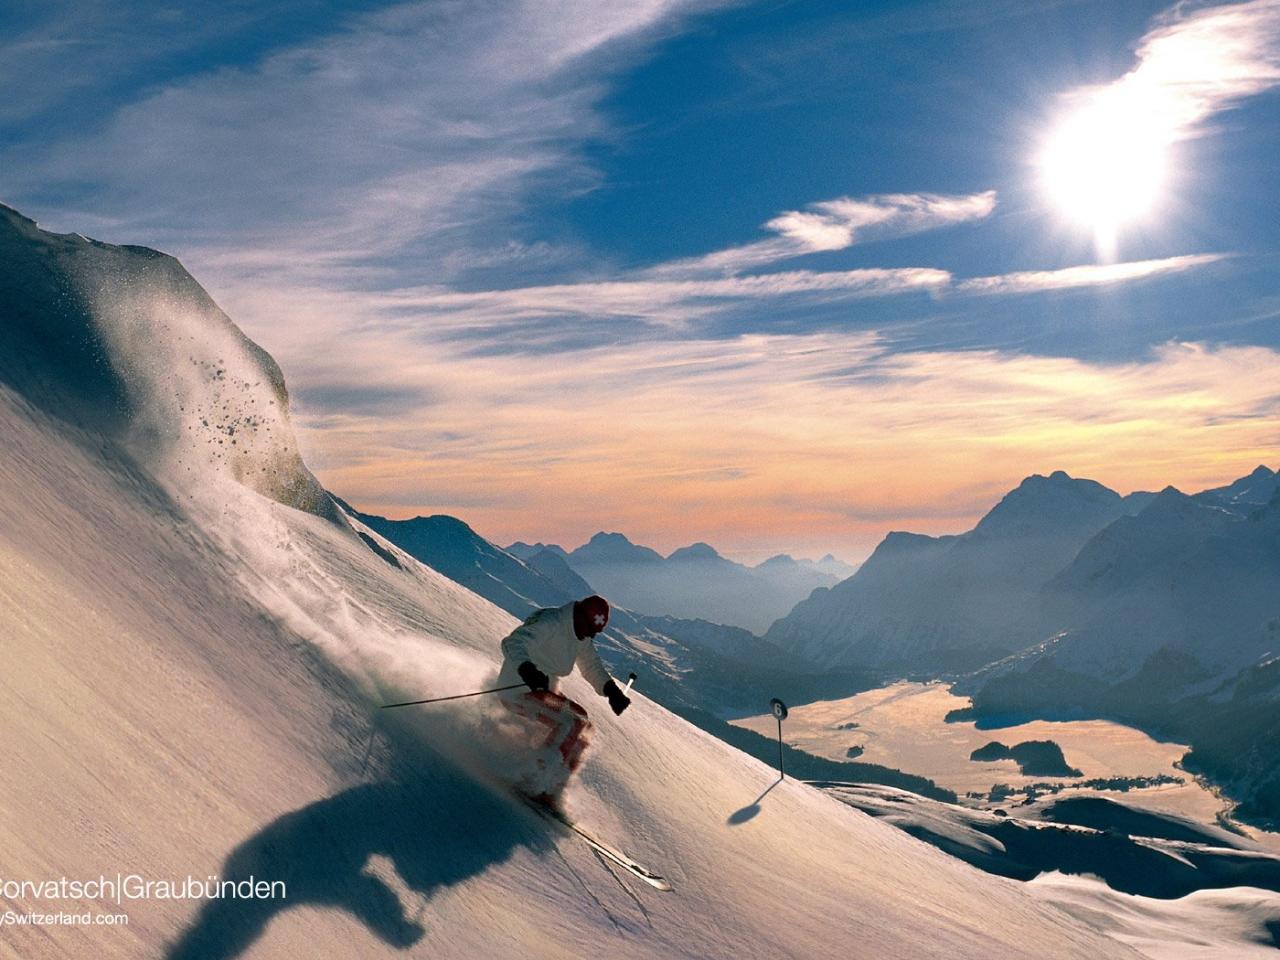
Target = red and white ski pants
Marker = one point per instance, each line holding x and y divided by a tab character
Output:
556	724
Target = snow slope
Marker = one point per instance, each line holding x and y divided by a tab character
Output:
192	667
1246	494
1130	849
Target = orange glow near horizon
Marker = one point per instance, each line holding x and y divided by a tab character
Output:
803	444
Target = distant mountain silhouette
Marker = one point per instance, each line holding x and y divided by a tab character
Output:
953	602
697	582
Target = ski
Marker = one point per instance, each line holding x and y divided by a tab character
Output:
605	850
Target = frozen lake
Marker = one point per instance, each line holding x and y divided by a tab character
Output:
903	726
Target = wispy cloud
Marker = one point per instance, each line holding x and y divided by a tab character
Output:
665	302
66	55
1194	63
402	137
837	224
647	298
1087	275
1205	60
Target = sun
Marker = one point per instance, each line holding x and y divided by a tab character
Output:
1105	164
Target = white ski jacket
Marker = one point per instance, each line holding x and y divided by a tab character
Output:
547	638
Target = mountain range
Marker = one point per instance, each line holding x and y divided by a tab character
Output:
1159	609
694	582
951	603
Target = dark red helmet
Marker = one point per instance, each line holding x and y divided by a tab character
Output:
590	616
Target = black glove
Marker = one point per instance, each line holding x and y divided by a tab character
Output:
618	701
535	678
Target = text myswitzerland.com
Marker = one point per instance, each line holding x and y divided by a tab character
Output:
11	918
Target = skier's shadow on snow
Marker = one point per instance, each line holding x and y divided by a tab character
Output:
435	827
750	811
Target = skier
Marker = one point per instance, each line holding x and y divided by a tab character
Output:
547	646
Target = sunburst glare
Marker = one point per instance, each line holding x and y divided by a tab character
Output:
1105	165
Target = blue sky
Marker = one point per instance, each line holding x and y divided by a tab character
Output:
774	275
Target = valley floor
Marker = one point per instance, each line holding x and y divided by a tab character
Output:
904	726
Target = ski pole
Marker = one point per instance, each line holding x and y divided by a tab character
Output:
630	680
456	696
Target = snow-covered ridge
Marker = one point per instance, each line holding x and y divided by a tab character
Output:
140	352
1046	560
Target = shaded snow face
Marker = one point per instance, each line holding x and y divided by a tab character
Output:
204	400
124	342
